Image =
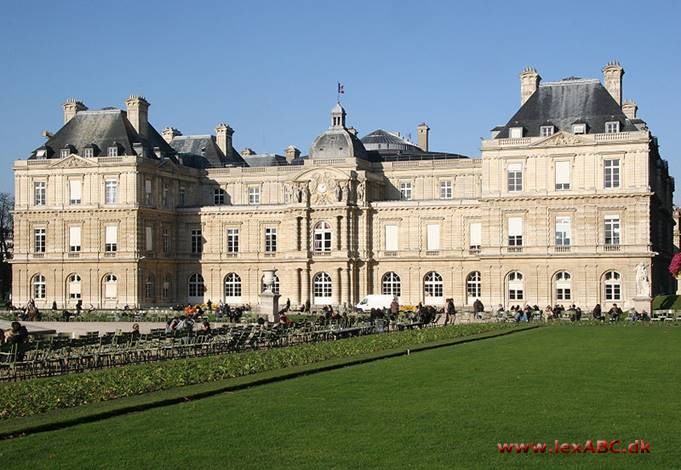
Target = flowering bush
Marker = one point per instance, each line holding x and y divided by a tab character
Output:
675	265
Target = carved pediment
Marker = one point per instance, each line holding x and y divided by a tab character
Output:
72	161
559	139
322	187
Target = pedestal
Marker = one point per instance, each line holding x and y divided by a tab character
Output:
269	306
643	304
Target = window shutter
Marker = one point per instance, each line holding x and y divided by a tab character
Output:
149	240
74	236
111	234
433	242
74	190
563	172
391	241
476	234
515	226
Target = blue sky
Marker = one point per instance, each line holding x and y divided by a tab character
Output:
269	68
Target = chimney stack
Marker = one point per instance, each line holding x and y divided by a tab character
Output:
138	114
612	75
529	82
169	133
291	153
422	134
629	109
71	108
223	136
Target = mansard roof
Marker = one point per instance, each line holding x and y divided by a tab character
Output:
103	128
565	102
202	151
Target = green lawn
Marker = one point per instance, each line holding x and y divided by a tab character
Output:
442	408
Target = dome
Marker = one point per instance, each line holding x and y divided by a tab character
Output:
337	141
383	140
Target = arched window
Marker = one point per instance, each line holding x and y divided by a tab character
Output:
322	288
391	284
275	287
39	287
196	285
433	287
563	285
612	283
516	286
232	285
110	287
74	286
473	287
322	237
149	287
165	288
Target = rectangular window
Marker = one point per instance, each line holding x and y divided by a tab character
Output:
612	230
563	231
515	231
112	152
232	240
405	190
165	240
545	131
166	201
182	196
88	152
562	175
148	238
433	237
515	177
110	192
147	192
391	241
219	196
63	153
612	127
446	191
74	239
75	192
39	193
270	240
611	173
579	128
39	236
475	239
515	132
111	238
254	195
197	241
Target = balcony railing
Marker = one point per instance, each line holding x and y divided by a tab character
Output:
514	249
474	250
611	247
389	253
432	252
562	248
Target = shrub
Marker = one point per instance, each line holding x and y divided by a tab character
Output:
37	396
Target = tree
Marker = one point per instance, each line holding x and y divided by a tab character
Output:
6	226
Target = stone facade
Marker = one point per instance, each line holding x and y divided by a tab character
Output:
338	226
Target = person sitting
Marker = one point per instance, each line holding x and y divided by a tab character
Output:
597	313
645	316
615	313
634	315
135	334
205	327
18	334
284	320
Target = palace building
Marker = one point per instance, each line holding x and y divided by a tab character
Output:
569	202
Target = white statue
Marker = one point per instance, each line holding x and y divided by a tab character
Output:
642	281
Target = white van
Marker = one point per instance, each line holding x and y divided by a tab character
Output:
375	301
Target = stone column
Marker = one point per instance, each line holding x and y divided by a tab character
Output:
348	291
305	284
339	285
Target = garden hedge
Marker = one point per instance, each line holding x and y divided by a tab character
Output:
31	397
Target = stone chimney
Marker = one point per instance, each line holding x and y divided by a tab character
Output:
223	136
169	133
612	76
291	153
422	135
629	108
247	152
71	108
138	114
529	82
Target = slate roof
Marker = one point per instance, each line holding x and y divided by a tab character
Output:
202	151
265	159
102	129
337	142
380	139
566	102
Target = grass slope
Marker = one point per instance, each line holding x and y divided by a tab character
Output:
443	408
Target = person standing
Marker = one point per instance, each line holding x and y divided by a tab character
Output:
450	311
478	309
